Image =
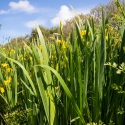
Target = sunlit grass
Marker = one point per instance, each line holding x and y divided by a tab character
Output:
66	81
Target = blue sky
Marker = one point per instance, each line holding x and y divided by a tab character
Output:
17	16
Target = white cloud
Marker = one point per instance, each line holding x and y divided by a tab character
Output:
21	6
3	12
31	24
65	13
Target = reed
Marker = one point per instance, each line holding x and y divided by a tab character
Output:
76	81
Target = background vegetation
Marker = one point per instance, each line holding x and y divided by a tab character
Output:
76	75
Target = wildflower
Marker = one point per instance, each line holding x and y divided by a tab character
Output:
4	65
63	46
106	37
9	79
83	32
58	41
9	70
31	58
21	56
12	51
6	82
56	88
40	47
2	90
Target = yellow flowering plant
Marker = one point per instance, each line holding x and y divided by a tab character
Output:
2	90
4	64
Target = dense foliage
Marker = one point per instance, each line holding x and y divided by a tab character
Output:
78	79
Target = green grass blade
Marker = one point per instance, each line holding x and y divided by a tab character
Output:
67	91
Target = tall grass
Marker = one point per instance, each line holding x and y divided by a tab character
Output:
65	81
